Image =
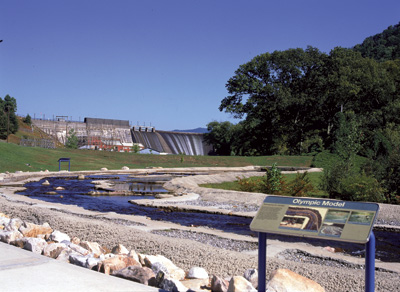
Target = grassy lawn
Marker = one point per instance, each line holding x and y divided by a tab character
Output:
14	157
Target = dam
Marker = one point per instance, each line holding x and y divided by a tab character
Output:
118	135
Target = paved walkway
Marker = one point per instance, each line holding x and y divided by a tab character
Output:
22	270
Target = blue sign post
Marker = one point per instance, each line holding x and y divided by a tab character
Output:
316	218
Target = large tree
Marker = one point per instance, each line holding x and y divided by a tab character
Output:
8	118
275	94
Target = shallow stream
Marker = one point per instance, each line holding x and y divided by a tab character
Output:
77	192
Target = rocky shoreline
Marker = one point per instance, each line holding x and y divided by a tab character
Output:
224	257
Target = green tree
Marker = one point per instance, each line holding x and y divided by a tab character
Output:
275	94
72	140
348	136
28	119
8	117
382	46
135	148
219	135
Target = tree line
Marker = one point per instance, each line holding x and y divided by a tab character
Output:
296	101
304	101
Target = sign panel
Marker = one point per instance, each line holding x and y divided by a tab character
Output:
318	218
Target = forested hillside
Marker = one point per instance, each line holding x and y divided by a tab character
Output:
383	46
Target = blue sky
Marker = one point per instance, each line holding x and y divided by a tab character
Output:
160	63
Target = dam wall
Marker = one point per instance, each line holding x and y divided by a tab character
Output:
172	142
95	131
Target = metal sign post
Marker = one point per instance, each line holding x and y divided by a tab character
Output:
316	218
370	264
262	260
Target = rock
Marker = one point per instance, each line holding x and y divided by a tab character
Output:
173	271
141	259
75	240
2	215
32	230
77	248
251	275
160	276
53	250
240	284
81	177
161	271
35	245
163	196
18	242
116	263
330	249
333	249
78	259
197	284
93	247
119	249
125	168
4	220
45	183
92	261
143	275
14	224
64	255
103	169
10	236
59	188
134	255
173	285
51	193
218	284
286	280
197	273
59	236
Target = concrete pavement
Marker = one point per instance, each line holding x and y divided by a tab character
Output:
22	270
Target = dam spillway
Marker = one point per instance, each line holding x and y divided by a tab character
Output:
172	142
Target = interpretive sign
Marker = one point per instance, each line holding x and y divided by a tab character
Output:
321	218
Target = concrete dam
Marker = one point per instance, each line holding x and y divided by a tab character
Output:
118	135
172	142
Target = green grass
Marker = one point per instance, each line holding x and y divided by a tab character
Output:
325	159
17	158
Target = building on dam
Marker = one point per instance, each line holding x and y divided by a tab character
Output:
118	135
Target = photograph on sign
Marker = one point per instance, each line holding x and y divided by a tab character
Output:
332	229
358	217
311	219
337	216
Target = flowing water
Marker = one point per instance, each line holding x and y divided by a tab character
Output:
76	192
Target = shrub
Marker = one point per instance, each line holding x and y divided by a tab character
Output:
362	187
248	185
301	186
